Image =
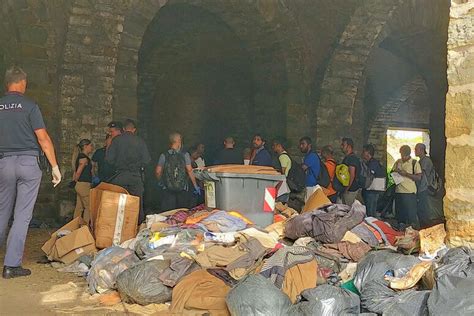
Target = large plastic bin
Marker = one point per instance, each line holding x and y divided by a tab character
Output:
240	192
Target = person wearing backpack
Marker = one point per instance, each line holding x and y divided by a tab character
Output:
311	165
427	212
405	191
330	163
349	195
371	193
174	171
284	164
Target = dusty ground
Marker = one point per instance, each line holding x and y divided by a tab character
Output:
49	292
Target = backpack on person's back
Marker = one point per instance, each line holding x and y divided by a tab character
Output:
367	176
175	177
324	179
296	179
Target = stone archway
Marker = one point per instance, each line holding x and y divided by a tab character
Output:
269	32
372	24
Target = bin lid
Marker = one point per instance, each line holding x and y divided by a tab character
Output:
204	175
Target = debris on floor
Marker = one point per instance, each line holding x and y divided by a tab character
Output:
329	260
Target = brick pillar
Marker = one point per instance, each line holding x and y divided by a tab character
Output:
459	199
87	78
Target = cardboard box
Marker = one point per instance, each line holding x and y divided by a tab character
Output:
117	218
69	248
96	196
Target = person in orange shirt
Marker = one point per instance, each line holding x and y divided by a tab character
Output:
327	153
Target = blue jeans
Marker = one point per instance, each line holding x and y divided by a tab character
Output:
370	200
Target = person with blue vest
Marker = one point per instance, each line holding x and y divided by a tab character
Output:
261	156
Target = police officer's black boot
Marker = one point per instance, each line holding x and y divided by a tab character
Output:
15	272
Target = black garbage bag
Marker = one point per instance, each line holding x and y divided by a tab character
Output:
457	262
378	297
454	288
256	295
377	263
452	295
140	284
327	300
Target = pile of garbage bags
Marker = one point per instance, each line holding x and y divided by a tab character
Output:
329	261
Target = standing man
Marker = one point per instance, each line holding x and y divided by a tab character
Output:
228	155
200	162
23	136
115	129
352	161
405	191
260	156
370	195
128	154
311	165
279	147
174	170
101	167
427	212
327	152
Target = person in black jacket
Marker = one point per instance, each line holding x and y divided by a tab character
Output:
229	155
128	154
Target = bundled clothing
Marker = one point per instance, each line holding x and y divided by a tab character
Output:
328	224
292	269
200	290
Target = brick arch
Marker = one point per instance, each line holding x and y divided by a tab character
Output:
344	80
275	25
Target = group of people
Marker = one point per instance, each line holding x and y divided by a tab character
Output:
28	149
367	178
123	159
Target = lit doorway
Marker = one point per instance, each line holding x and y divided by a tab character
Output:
397	137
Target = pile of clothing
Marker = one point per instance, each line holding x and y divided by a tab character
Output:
331	260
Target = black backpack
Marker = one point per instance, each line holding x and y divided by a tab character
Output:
175	177
296	178
323	178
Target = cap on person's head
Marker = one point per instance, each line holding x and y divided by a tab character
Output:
115	124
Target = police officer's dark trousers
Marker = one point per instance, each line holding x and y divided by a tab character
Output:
20	178
132	182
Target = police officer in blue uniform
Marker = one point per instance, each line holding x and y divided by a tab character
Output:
22	136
